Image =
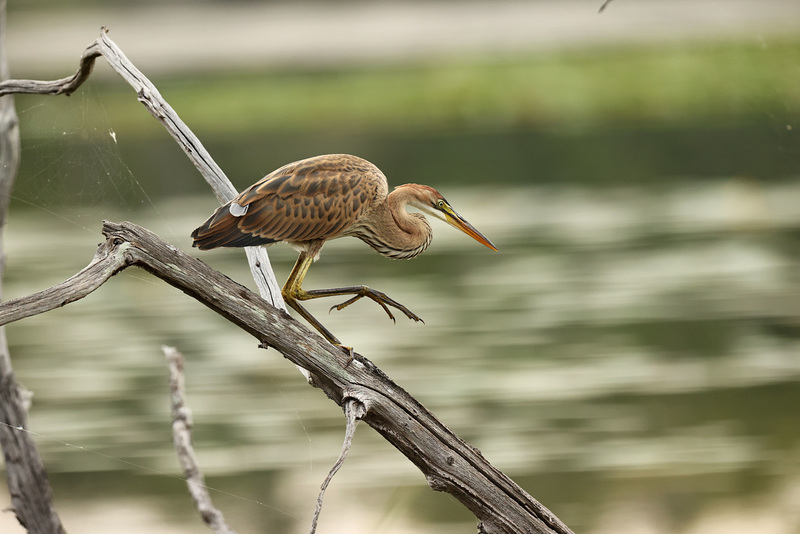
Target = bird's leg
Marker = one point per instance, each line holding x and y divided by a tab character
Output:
292	292
363	291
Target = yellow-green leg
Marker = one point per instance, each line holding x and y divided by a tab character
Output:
292	292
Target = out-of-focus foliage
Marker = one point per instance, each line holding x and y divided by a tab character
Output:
679	83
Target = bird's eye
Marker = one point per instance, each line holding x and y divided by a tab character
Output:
440	203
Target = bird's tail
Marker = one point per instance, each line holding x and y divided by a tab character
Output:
222	230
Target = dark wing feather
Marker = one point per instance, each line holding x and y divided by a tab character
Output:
315	198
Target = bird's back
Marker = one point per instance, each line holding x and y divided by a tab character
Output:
313	199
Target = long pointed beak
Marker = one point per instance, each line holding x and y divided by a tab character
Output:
457	221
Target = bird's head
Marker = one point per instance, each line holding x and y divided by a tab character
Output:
429	201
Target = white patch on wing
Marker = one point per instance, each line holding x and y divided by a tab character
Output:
237	210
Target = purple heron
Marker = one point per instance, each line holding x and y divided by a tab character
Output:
311	201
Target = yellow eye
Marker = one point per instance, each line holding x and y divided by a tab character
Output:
440	204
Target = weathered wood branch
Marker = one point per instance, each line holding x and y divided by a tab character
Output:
99	270
182	439
448	463
152	100
31	495
353	412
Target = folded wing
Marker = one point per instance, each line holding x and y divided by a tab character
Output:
311	199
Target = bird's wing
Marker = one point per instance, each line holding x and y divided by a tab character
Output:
316	198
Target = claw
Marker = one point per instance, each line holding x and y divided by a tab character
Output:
292	293
379	298
349	351
387	311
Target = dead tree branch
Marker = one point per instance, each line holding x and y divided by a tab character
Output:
353	412
448	463
182	438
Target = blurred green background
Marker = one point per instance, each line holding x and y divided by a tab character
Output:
631	356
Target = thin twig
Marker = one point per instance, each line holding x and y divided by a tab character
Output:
182	438
605	5
353	411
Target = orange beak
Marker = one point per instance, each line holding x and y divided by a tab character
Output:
457	221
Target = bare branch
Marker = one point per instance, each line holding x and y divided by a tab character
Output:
101	268
148	95
353	411
64	86
449	464
182	437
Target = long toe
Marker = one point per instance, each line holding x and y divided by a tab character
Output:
349	351
348	302
343	305
384	300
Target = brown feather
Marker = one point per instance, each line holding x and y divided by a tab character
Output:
311	199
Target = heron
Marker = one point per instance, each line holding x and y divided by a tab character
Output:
309	202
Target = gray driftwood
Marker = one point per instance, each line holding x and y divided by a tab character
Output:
182	439
448	463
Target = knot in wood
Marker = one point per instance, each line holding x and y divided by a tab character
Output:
352	400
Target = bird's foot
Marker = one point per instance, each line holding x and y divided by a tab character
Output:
382	299
349	351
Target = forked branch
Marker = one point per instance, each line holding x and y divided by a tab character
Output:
449	464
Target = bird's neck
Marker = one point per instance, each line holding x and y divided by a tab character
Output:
395	233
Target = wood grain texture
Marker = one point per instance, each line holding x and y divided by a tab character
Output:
448	463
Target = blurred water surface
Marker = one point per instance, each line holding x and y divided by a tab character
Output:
629	353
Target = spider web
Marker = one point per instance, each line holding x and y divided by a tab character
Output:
73	175
72	166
